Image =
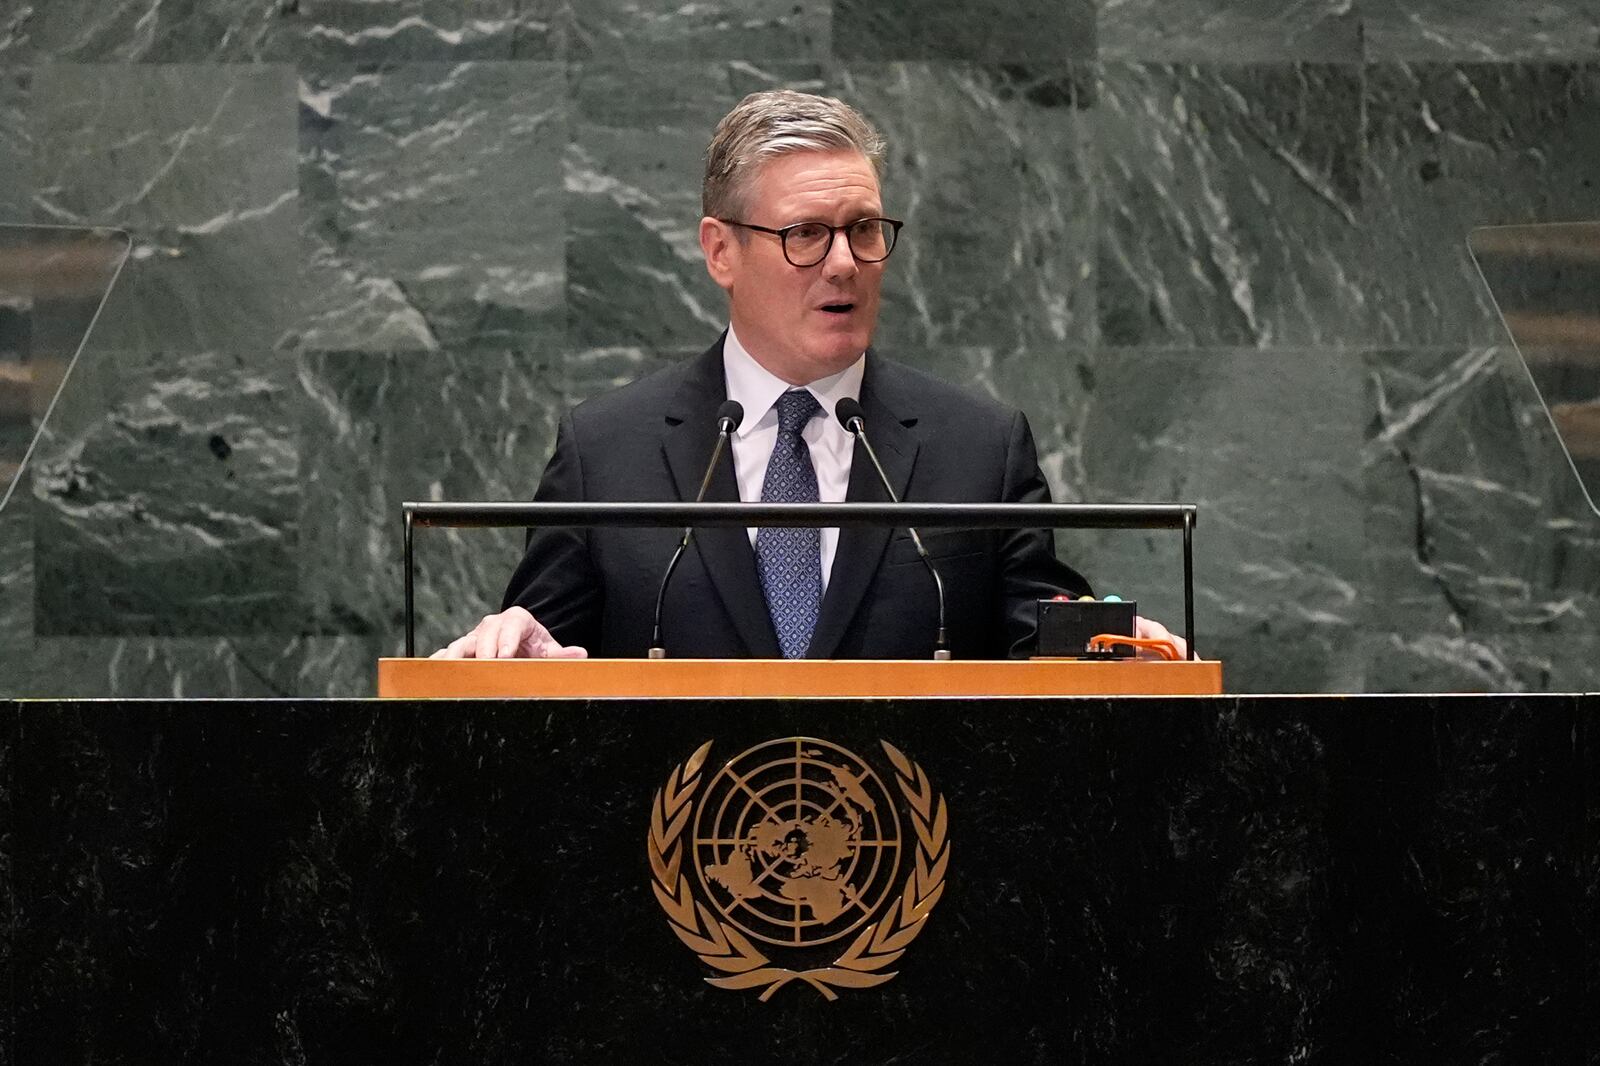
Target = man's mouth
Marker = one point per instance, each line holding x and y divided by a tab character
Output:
839	308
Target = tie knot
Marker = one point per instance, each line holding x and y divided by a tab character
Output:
795	408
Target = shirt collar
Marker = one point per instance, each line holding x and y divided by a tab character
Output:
756	388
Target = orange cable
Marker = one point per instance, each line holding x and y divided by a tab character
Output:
1104	641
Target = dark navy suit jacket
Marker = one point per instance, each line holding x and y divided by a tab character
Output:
651	440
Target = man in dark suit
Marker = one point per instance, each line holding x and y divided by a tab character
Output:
794	233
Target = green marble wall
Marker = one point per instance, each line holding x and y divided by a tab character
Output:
1216	249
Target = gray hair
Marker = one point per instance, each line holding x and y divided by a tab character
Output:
772	123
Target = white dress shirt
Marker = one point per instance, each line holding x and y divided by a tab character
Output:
757	389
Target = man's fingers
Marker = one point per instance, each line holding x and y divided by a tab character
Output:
518	634
460	648
539	643
513	633
486	643
1150	629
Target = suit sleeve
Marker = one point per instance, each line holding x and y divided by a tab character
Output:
1029	569
557	580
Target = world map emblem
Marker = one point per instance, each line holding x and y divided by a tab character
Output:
792	863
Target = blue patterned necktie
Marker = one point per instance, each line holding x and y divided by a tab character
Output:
790	560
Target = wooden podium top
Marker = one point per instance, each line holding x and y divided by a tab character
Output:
654	678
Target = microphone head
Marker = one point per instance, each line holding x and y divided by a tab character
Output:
730	416
848	412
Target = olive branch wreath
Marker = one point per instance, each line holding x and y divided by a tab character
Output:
721	946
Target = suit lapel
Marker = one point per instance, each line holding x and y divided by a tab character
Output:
861	547
687	440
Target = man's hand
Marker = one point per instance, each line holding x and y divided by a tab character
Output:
1150	629
511	634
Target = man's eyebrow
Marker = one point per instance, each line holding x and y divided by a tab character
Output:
824	222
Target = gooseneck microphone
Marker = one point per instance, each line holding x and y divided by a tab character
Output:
849	414
729	416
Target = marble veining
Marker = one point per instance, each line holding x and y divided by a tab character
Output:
16	149
1455	146
634	272
1231	206
1265	442
395	203
998	245
237	31
1476	530
1231	31
491	426
1482	31
608	31
164	496
952	31
196	163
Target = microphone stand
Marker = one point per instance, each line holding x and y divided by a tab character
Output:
727	422
858	428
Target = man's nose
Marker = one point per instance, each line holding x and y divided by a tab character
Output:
841	261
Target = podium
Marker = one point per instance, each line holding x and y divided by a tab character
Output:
790	678
1122	880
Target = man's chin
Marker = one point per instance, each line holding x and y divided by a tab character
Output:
844	342
832	358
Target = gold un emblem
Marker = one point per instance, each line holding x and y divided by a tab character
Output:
791	864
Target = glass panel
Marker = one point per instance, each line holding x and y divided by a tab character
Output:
1545	280
53	282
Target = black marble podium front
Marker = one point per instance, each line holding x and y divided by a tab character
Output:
1294	879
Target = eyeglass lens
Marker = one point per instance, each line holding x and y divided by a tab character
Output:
807	244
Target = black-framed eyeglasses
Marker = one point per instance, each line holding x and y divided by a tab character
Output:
806	244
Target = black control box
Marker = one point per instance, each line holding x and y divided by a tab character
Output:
1065	627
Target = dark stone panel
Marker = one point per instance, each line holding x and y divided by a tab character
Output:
16	143
1481	30
635	276
1452	147
1042	31
1256	966
1230	31
488	429
9	720
196	31
1133	880
613	30
432	206
1459	824
992	171
1481	554
1231	203
166	494
1588	737
198	164
1268	445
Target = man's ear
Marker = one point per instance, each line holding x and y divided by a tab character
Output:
721	249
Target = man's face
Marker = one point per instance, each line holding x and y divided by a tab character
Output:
801	323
